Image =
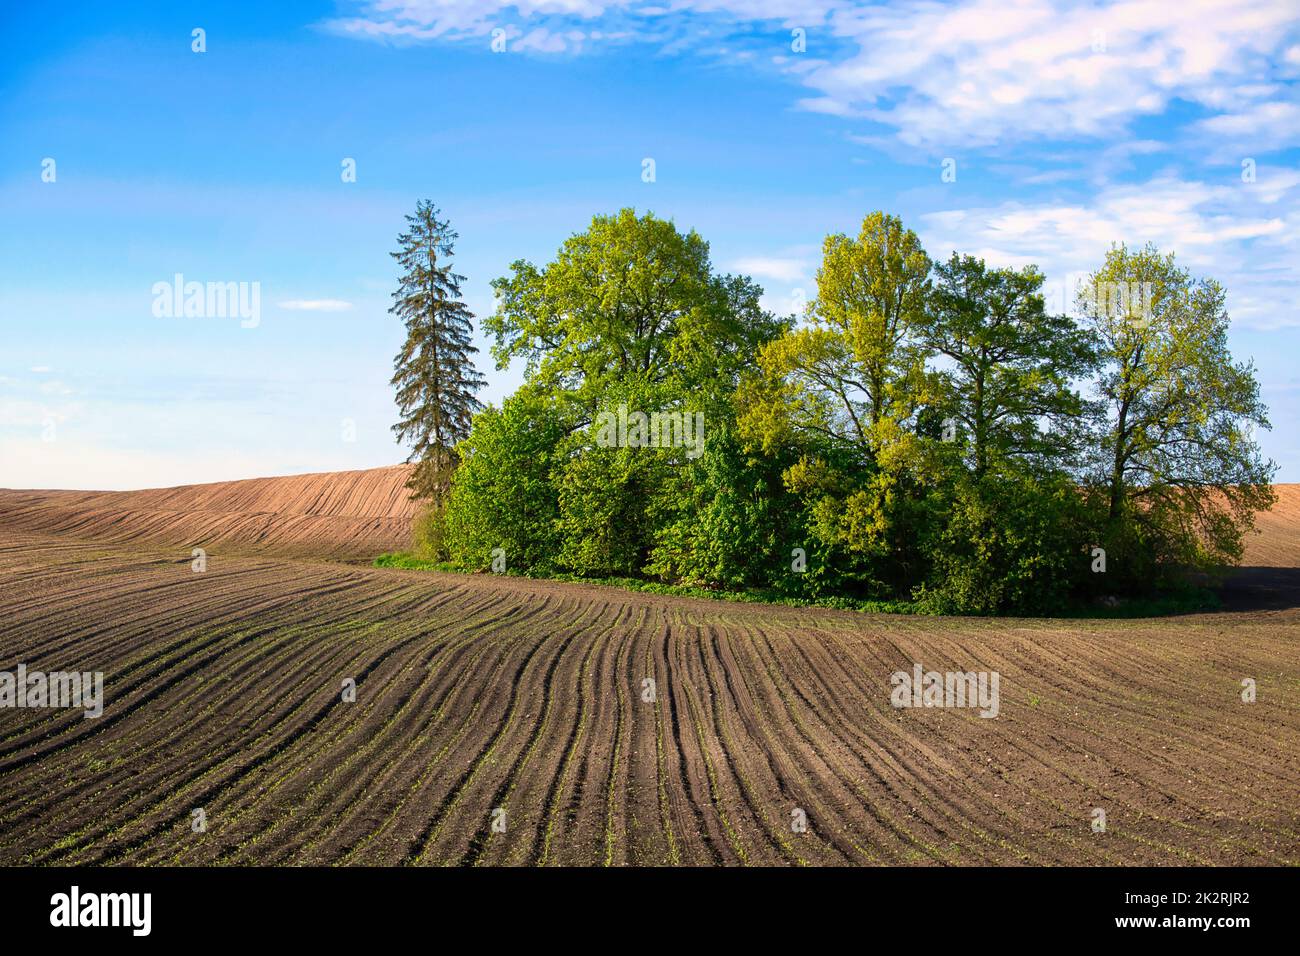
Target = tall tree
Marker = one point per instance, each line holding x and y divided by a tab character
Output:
629	315
1176	455
1011	363
630	299
844	392
434	372
856	373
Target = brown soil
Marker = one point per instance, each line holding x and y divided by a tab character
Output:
481	692
338	515
1278	543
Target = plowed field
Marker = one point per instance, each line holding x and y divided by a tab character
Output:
484	699
1278	543
337	515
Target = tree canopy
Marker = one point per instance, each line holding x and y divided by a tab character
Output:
925	433
1009	385
1175	456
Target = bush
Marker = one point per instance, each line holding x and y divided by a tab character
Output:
503	495
428	533
1009	544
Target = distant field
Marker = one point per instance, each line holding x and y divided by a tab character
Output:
478	693
337	515
1278	543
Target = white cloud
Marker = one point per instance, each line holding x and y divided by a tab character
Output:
555	29
29	407
315	305
775	268
1244	235
1260	127
971	73
983	72
791	302
23	413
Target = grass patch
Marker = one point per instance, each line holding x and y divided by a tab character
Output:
1184	600
410	562
404	559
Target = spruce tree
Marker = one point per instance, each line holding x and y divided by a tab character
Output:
434	372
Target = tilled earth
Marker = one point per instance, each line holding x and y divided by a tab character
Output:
341	515
504	721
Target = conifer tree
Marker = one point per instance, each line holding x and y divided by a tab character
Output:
434	373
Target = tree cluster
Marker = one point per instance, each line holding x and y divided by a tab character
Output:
927	432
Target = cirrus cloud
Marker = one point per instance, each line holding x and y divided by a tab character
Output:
1244	235
974	73
315	305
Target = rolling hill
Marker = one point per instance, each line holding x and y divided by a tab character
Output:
341	515
353	515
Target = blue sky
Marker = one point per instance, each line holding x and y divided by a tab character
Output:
1070	126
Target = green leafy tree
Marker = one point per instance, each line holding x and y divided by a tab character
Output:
845	392
825	473
1005	541
504	494
630	315
434	372
856	372
1181	474
728	519
632	298
1011	364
